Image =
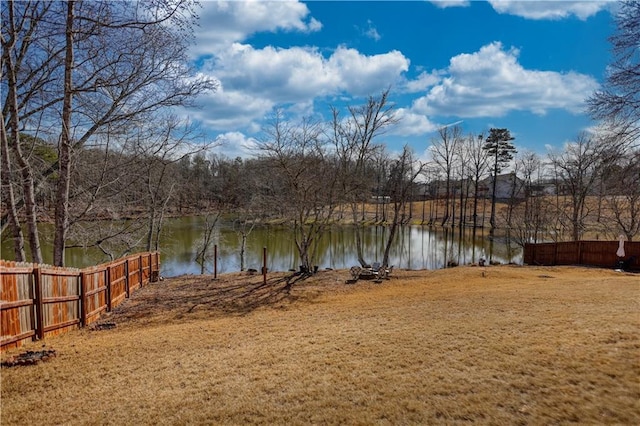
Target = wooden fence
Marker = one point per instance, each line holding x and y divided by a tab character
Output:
592	253
40	300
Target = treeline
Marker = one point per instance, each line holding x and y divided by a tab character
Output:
311	175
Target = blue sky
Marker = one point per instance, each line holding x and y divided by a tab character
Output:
526	66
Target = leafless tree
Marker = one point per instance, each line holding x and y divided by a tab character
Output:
478	164
354	143
444	151
577	168
26	69
402	176
617	102
208	234
308	189
623	196
534	221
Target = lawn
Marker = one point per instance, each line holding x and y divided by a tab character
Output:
496	345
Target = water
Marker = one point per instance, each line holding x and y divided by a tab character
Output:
415	247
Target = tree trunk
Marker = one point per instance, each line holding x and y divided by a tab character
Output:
243	247
14	223
26	172
359	249
64	151
492	219
387	248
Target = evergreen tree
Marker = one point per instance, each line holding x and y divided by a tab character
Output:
500	150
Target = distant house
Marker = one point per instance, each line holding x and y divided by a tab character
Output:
380	199
508	186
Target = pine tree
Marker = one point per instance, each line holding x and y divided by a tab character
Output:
500	150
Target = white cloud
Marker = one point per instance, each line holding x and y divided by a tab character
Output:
491	83
253	81
550	9
372	32
361	75
412	124
422	82
226	22
450	3
227	110
236	144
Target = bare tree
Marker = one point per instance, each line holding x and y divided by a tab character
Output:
307	180
202	255
353	139
577	169
623	196
444	151
531	219
402	176
478	166
617	102
8	197
26	74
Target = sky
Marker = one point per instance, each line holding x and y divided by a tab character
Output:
527	66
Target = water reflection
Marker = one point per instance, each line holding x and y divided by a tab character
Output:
416	247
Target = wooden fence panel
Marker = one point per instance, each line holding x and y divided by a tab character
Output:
146	267
41	300
16	304
95	293
600	253
567	253
117	277
60	300
591	253
134	273
542	254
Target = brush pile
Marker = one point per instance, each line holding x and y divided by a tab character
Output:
29	358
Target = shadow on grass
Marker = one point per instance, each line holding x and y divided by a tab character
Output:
239	295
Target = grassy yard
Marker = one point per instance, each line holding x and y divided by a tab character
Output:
498	345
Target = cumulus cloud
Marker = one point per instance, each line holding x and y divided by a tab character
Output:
225	110
550	9
237	144
253	81
412	124
422	82
226	22
491	82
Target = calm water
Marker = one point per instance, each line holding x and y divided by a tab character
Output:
416	247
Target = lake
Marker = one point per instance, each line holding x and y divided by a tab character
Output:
415	247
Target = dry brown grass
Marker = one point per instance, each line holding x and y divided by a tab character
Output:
501	345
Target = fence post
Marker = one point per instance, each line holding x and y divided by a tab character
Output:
107	276
39	306
215	261
82	304
264	265
580	252
140	270
150	266
126	278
